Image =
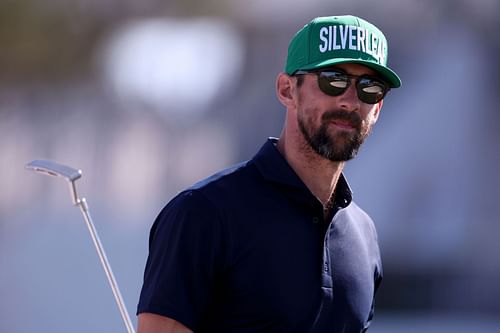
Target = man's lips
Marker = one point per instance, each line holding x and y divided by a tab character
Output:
343	120
343	124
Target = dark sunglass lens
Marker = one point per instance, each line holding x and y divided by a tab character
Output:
374	89
339	84
371	91
333	83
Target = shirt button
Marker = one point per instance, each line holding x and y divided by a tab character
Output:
315	220
326	267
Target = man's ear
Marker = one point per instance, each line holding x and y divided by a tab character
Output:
286	90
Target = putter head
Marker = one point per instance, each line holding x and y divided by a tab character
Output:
54	169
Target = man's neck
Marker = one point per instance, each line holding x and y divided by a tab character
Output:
319	174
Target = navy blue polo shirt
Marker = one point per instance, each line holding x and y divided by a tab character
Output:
248	250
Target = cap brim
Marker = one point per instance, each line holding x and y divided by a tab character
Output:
387	74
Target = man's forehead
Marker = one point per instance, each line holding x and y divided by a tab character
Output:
354	69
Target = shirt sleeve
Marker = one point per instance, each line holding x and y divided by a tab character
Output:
186	255
378	280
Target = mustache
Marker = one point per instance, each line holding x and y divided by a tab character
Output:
351	117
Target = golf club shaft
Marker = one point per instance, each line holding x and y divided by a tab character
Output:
71	175
105	264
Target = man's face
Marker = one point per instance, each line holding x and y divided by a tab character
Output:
335	126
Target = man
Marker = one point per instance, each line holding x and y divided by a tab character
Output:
276	244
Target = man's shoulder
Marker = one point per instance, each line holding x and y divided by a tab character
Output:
231	176
353	208
207	200
360	219
227	185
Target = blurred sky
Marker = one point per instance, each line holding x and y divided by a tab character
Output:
147	97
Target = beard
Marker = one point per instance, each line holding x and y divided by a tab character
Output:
340	146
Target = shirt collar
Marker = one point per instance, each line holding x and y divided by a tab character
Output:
274	168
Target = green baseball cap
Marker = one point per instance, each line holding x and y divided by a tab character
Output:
331	40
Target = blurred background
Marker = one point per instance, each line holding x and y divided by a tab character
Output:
147	97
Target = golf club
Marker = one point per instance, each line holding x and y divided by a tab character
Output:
71	175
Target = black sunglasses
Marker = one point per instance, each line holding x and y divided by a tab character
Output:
333	82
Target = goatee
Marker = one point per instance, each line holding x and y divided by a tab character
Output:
341	146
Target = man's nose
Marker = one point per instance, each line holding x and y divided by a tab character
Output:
349	99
